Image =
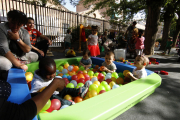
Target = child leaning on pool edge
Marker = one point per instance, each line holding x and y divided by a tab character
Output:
46	74
108	64
86	61
139	72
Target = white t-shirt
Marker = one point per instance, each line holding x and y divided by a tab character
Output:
93	40
68	38
139	73
37	83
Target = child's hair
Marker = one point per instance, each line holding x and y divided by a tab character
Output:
68	31
140	33
30	18
86	51
110	53
46	62
143	60
94	27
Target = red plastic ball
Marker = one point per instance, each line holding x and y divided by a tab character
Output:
100	76
55	104
66	81
100	80
80	72
74	77
81	80
108	80
102	91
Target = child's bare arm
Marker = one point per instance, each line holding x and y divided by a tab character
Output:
131	76
107	70
82	64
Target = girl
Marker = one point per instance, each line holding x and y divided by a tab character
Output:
92	42
140	43
139	72
86	61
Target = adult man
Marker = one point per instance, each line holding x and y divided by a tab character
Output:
14	43
40	47
129	31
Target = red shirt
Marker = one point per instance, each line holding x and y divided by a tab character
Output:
33	33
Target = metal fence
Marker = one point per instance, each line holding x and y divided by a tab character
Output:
50	21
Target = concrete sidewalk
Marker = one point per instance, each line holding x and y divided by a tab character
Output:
164	103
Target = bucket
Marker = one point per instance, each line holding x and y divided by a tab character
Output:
120	53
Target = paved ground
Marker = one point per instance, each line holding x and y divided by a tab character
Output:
164	103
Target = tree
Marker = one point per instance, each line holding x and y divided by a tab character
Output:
176	33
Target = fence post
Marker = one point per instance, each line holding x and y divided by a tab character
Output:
78	33
103	25
35	14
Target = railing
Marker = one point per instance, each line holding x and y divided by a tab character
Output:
50	21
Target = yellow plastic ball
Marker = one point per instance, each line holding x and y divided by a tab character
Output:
111	84
113	79
96	83
92	93
66	65
125	72
29	76
68	97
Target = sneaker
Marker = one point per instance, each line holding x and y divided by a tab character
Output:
83	91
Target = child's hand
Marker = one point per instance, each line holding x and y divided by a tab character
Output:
104	69
60	83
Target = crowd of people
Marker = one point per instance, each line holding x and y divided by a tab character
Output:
19	46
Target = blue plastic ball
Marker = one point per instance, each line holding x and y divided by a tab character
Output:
64	71
69	78
64	76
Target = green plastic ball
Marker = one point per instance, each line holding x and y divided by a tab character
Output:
70	85
114	74
104	73
100	87
96	74
60	68
104	83
93	87
46	106
90	73
79	85
107	88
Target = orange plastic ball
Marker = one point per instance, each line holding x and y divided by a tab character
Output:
113	79
101	68
97	66
68	97
119	81
75	68
80	76
78	99
60	74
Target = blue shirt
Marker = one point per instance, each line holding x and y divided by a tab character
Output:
86	62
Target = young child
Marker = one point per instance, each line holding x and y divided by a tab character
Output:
46	74
92	42
67	39
168	45
108	64
139	72
108	45
140	43
86	60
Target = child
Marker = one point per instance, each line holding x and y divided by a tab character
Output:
67	40
46	74
86	61
108	45
92	42
140	43
109	66
168	45
139	72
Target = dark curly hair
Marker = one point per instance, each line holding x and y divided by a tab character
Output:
17	17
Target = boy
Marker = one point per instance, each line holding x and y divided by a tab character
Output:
46	74
109	66
40	47
168	45
67	40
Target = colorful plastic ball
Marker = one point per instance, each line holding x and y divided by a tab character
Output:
75	68
111	84
64	76
96	67
60	68
74	82
96	74
87	83
100	87
104	83
108	80
29	76
54	111
100	80
80	72
81	80
127	79
94	79
107	88
125	72
96	83
104	73
113	79
93	87
101	68
66	65
92	93
55	104
108	74
64	106
80	76
66	81
115	86
121	75
119	81
60	74
100	76
107	77
79	85
70	68
102	91
64	71
46	106
90	73
68	97
78	99
70	85
81	68
114	74
74	77
87	77
69	78
84	71
57	70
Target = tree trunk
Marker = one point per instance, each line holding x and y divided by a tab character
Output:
176	34
166	31
152	23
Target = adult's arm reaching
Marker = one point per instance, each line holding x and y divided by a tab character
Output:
46	38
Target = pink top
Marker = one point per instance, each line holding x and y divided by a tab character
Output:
140	43
93	40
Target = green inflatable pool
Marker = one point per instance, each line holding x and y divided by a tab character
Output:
108	105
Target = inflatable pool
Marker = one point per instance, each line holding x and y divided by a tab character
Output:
108	105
